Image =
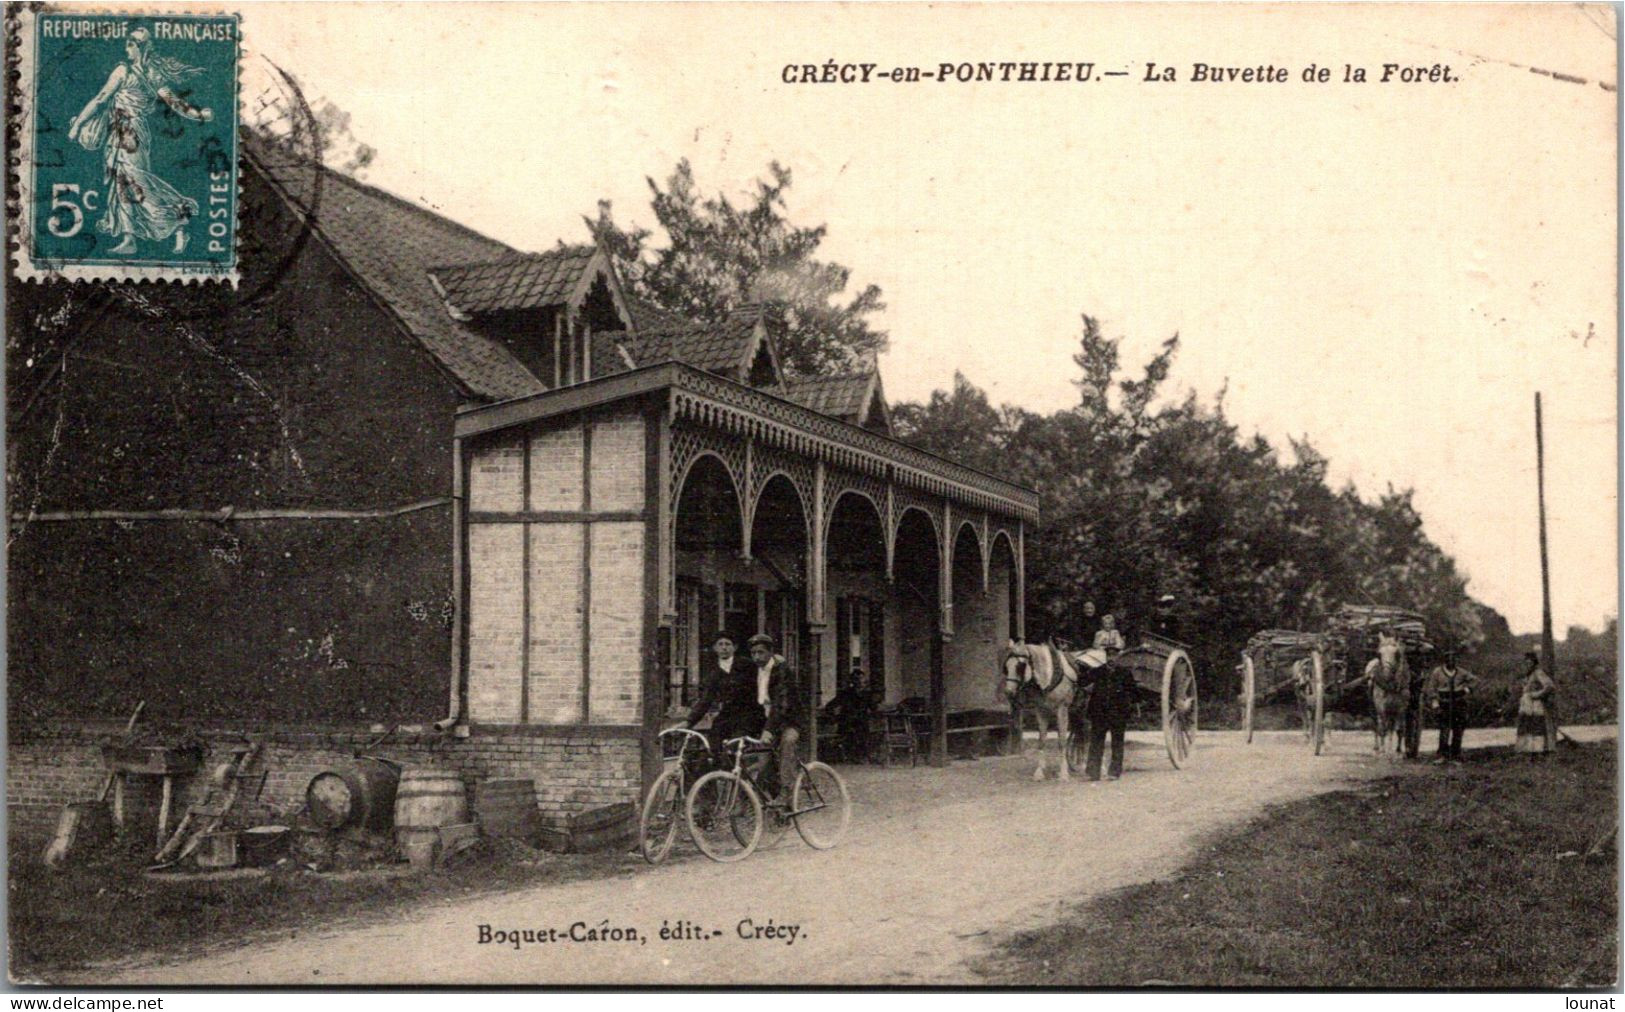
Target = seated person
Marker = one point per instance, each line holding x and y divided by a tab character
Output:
850	712
1108	638
778	690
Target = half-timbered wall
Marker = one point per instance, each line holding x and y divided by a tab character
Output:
556	559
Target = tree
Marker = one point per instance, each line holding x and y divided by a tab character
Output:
1163	510
720	254
340	148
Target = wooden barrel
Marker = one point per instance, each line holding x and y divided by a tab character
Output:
507	808
603	828
419	846
359	794
430	798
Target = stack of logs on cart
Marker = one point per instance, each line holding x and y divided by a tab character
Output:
1325	670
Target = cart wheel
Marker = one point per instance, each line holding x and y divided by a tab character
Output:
1249	686
1318	736
1179	708
1077	750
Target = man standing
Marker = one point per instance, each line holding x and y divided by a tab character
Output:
730	685
779	692
1448	689
1111	699
1413	712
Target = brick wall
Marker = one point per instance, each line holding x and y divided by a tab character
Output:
981	630
556	469
61	763
616	623
556	622
617	464
495	478
494	622
571	561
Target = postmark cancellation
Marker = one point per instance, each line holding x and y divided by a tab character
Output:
127	142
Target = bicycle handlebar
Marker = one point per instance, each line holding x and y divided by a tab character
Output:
688	731
744	739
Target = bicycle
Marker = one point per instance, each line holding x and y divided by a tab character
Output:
726	804
663	808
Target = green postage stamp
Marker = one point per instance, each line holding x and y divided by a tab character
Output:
128	146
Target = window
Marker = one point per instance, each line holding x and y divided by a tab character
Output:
682	682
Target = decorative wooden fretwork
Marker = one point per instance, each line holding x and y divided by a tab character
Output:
716	403
838	482
689	443
765	463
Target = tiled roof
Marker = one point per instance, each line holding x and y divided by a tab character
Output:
844	396
651	317
390	245
715	347
518	282
607	354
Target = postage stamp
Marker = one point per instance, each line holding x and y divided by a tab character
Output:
127	146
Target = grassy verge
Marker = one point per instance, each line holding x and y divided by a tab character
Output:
64	921
1451	878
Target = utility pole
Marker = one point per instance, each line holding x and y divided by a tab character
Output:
1548	658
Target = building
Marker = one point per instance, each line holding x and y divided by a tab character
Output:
405	474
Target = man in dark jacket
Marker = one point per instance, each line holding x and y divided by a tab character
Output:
850	713
728	682
779	690
1110	700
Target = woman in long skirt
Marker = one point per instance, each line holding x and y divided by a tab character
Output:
140	204
1537	731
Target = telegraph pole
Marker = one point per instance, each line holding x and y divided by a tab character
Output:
1548	658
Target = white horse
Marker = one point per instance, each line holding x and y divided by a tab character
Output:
1389	676
1042	677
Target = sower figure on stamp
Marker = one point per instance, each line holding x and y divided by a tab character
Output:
140	205
779	691
1448	689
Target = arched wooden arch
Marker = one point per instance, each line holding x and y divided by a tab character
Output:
903	510
981	545
1000	534
680	480
1017	624
801	496
879	512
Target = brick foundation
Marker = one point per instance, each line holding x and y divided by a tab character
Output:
573	769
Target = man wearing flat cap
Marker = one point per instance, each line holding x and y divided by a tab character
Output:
779	691
1448	688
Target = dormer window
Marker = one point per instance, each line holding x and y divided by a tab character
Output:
544	307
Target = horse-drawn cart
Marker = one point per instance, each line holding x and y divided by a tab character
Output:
1163	674
1326	670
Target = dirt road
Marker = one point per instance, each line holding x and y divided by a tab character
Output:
939	864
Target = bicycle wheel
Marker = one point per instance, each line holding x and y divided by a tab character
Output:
724	816
657	825
819	806
775	820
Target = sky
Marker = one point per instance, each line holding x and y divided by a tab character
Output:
1392	270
